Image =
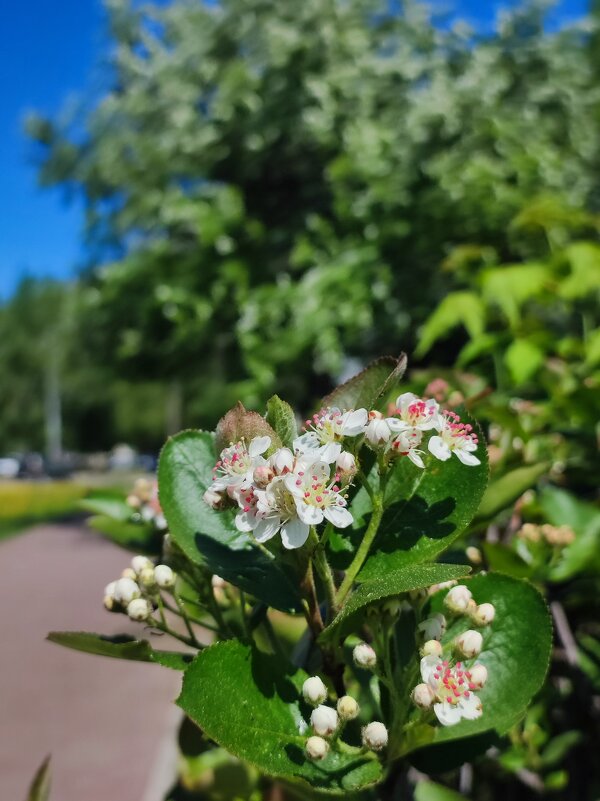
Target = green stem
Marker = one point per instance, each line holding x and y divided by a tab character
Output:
186	619
363	549
325	574
157	624
366	485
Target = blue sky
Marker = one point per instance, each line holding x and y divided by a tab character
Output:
48	52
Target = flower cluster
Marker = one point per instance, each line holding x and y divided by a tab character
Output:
143	499
449	685
327	723
136	591
558	536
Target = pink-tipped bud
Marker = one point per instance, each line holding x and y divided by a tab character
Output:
263	475
479	675
282	461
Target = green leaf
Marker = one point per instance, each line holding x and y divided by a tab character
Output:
250	703
583	554
110	504
523	359
430	791
390	584
503	559
457	308
509	286
516	651
281	418
121	646
239	424
504	491
208	537
39	790
559	747
135	537
426	510
364	389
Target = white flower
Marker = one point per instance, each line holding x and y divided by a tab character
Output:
314	691
434	627
346	463
325	431
347	707
317	497
414	414
469	643
364	656
375	736
407	444
125	591
324	720
423	696
139	609
164	577
377	431
454	437
483	614
478	676
316	748
457	599
453	689
432	648
235	467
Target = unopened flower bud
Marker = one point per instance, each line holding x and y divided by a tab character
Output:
473	554
133	501
469	643
375	736
432	648
483	614
347	707
263	474
160	521
213	498
346	463
324	720
433	628
314	691
126	590
282	461
129	573
479	675
377	431
146	577
164	577
109	590
316	748
138	563
139	609
423	696
364	656
109	603
218	583
393	607
458	599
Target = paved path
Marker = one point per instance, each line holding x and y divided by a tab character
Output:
106	723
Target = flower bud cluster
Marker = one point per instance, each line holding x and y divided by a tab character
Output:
459	600
556	536
136	592
143	499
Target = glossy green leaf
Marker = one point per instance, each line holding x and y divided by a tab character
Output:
430	791
119	647
425	510
281	418
504	491
250	703
516	651
39	789
208	537
136	537
390	584
363	390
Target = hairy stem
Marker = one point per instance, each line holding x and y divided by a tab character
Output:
363	550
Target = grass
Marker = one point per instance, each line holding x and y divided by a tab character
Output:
26	502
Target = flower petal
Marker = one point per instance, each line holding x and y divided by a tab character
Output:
311	515
266	529
330	452
447	714
415	458
428	666
353	422
294	534
439	449
395	424
259	445
470	707
466	458
339	516
246	521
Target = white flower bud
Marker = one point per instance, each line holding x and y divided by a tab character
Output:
483	614
393	607
469	643
213	498
479	675
160	521
375	736
139	609
133	501
423	696
316	748
377	431
109	590
138	563
443	585
146	577
432	648
126	590
324	720
129	573
164	577
346	463
473	554
218	583
347	707
282	461
364	656
314	691
458	599
263	474
109	603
